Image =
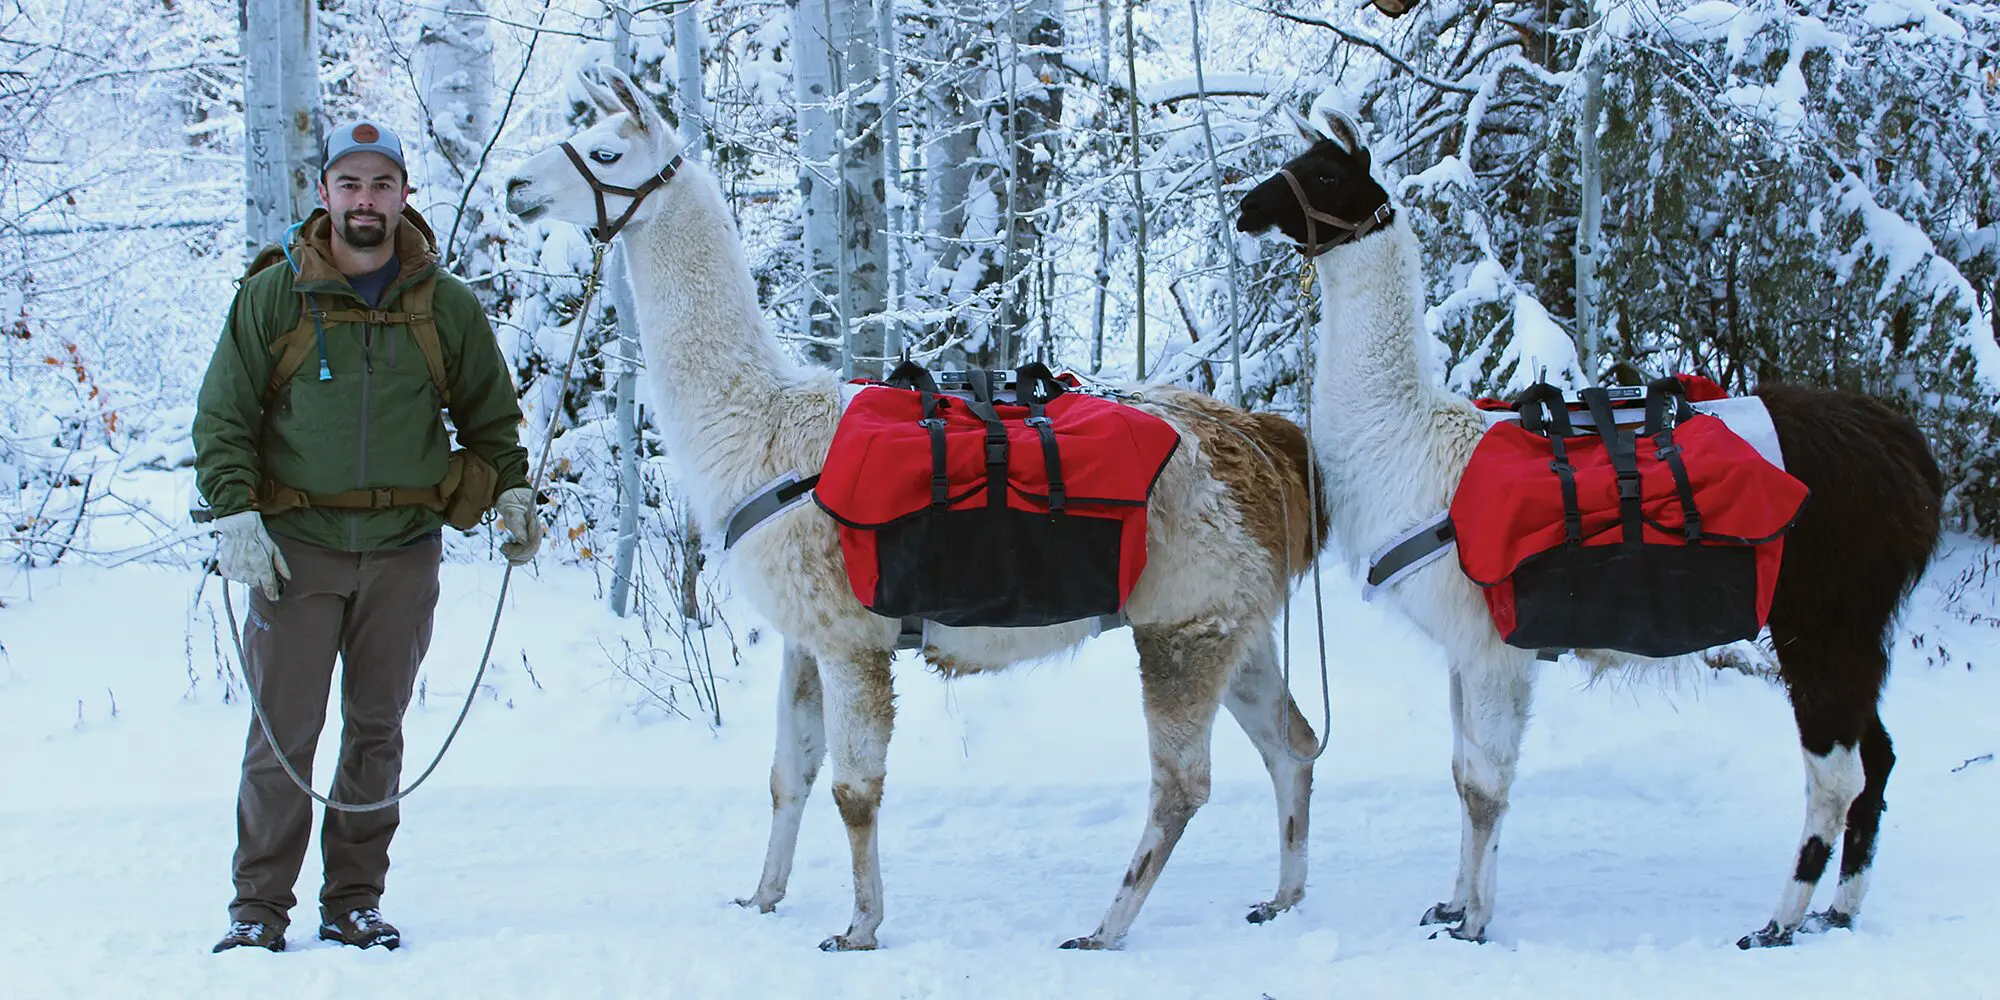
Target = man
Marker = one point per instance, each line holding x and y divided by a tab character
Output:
320	447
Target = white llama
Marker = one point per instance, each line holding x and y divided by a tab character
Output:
1393	445
736	412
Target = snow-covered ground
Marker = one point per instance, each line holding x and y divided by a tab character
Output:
574	845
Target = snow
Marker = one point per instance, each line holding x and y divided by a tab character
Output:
1904	248
574	844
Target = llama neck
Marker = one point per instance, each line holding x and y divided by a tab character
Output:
722	381
697	306
1391	441
1371	334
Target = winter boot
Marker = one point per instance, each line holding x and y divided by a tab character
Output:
252	934
362	928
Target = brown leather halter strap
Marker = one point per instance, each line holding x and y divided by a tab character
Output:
1351	231
605	228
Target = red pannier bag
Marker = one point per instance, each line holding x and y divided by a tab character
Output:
1658	540
970	511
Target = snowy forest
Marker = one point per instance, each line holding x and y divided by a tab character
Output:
1778	190
1605	192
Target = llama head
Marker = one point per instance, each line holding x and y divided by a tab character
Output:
1327	198
608	169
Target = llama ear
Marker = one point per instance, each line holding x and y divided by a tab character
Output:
599	95
632	101
1343	130
1306	129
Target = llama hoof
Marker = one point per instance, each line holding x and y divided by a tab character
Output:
1769	936
1825	920
1458	934
1264	913
1091	943
1442	913
761	905
841	942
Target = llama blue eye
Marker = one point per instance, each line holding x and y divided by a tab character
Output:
604	156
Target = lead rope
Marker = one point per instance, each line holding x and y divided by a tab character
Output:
1285	582
597	251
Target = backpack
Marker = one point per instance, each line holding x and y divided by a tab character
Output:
973	510
1651	529
470	482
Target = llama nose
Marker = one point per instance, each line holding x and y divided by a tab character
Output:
1250	215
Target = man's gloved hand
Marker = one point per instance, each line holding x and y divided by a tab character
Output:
516	508
245	553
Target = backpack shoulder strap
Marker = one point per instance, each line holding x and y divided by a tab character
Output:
417	303
291	349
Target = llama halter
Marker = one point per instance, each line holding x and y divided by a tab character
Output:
1312	246
605	230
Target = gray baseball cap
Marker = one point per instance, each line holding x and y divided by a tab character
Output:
363	137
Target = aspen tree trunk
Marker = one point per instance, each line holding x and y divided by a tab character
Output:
618	284
1590	338
892	176
454	69
282	144
1104	158
1138	189
959	173
688	86
812	72
689	89
1034	113
863	194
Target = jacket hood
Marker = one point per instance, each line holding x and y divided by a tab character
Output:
312	248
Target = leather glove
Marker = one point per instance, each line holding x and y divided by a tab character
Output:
245	553
516	508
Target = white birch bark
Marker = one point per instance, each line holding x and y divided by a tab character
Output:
813	68
688	89
1589	227
618	285
454	69
864	195
282	144
1034	106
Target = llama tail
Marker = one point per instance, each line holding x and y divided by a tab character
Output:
1286	443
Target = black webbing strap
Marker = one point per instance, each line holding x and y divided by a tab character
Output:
1543	412
910	375
1661	430
1033	388
1623	448
765	505
981	383
1433	537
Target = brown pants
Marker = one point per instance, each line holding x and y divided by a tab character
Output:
374	609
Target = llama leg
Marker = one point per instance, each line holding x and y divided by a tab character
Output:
1864	821
1256	697
801	749
1490	705
1454	911
860	711
1831	726
1182	673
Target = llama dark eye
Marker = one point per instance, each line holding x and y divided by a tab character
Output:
604	156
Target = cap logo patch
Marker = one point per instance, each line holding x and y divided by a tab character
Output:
366	133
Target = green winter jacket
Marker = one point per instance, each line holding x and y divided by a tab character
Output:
376	422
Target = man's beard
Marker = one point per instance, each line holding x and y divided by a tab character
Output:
364	237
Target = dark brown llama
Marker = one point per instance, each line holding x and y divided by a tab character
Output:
1856	550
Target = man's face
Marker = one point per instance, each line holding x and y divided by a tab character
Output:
364	192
